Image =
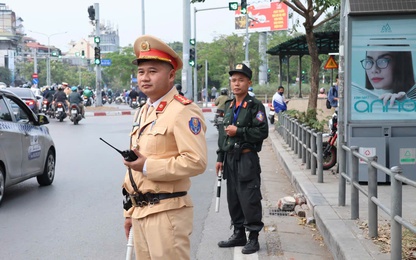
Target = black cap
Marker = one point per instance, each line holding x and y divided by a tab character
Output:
241	68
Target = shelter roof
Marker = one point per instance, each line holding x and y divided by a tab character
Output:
327	42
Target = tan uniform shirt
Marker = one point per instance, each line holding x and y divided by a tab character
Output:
172	137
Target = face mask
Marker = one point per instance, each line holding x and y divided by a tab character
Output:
280	93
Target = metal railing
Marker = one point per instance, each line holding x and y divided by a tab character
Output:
396	204
304	141
307	144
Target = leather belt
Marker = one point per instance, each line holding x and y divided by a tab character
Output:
246	150
141	200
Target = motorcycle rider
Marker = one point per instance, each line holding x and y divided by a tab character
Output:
88	93
220	101
48	95
60	96
75	98
133	95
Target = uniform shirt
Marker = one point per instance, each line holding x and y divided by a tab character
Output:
172	137
220	101
252	126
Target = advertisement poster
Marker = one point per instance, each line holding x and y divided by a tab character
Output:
263	17
383	64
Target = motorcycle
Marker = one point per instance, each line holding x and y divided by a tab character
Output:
329	146
271	114
133	103
46	108
60	112
75	113
119	100
87	101
218	118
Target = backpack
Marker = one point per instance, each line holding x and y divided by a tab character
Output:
328	104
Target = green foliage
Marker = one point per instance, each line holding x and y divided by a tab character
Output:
5	75
308	118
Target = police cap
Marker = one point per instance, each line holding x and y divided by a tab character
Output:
148	47
241	68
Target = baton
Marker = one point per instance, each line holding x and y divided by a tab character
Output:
130	245
217	201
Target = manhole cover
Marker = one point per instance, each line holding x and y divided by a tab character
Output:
278	212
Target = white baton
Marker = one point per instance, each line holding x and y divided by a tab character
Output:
130	245
217	201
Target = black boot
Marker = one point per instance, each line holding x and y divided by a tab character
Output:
237	239
252	245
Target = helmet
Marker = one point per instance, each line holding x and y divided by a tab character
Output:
250	89
60	87
224	91
74	88
322	90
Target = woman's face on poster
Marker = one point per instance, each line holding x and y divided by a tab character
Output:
379	68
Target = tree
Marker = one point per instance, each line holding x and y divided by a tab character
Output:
311	13
5	75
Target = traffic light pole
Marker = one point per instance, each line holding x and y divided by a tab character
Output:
196	52
99	99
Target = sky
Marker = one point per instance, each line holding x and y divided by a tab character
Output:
163	18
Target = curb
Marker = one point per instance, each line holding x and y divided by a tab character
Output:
339	238
126	112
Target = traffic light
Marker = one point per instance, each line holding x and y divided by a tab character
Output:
192	41
82	53
97	39
192	57
233	6
268	76
91	13
54	53
243	6
97	56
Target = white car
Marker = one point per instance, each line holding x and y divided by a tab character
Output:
26	147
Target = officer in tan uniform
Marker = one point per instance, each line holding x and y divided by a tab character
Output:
168	137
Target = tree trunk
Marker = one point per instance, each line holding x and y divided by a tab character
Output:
316	64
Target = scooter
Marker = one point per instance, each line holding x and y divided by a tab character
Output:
329	147
46	108
218	118
87	101
75	113
271	114
133	103
119	100
60	113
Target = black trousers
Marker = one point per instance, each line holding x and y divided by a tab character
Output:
243	190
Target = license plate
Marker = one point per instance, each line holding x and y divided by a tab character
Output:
74	111
60	109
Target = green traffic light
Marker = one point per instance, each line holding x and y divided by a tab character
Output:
192	41
192	63
243	10
97	39
97	61
233	6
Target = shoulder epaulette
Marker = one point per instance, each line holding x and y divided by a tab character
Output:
182	99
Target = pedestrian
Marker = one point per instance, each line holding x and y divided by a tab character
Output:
322	93
213	93
168	137
333	95
239	141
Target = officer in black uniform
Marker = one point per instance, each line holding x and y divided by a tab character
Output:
240	139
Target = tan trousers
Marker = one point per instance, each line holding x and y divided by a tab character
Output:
164	235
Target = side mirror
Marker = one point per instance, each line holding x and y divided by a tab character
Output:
43	119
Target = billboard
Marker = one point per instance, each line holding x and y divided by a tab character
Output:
382	69
263	17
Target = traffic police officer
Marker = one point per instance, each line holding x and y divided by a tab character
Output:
239	141
168	138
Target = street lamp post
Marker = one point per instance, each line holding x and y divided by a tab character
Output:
48	58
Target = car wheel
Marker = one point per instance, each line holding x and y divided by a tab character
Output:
2	184
49	171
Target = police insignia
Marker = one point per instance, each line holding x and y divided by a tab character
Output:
195	125
260	116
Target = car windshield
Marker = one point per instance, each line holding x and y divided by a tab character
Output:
22	92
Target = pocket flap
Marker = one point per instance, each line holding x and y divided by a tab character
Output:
158	130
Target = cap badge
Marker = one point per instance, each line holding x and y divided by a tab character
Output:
239	67
145	46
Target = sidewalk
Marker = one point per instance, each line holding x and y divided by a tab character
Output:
343	236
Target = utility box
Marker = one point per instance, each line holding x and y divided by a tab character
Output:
380	87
